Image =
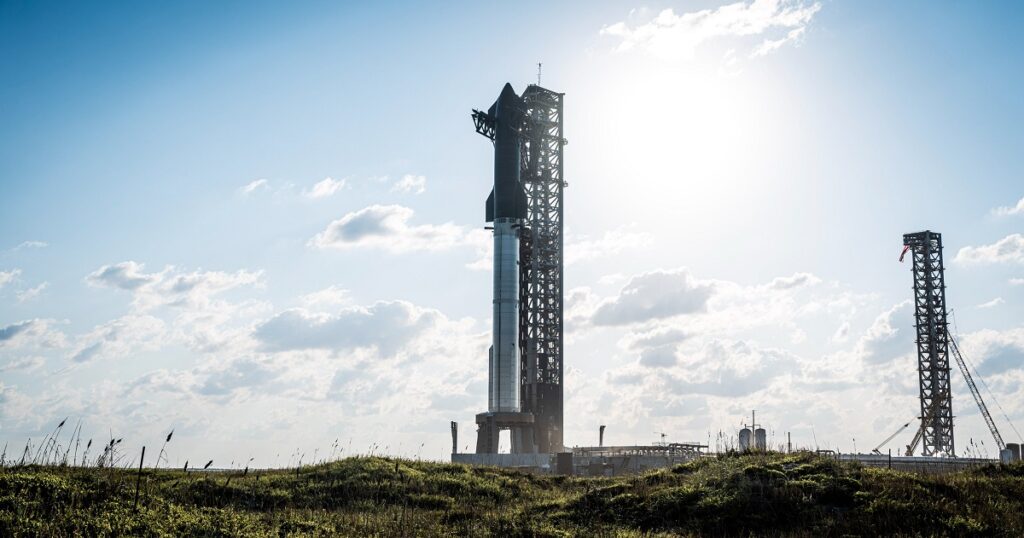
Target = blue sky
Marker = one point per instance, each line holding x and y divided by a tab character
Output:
181	185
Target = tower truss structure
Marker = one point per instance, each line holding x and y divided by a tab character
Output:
932	342
541	266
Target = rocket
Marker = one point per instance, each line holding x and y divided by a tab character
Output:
506	208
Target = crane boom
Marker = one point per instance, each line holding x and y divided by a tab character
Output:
878	449
917	436
977	395
917	439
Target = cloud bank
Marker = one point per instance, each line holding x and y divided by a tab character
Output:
679	36
1007	249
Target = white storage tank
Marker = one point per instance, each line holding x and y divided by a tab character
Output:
760	440
745	440
1015	449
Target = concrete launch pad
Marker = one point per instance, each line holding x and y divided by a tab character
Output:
592	461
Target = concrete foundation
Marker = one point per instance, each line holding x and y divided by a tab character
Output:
489	425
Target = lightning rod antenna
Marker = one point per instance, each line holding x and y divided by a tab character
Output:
538	72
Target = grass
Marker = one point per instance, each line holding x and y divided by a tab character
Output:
773	494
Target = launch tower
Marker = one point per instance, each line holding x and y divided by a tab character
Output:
932	342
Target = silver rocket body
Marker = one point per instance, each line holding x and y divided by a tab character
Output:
506	209
504	381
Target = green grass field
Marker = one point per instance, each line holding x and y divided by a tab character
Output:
773	494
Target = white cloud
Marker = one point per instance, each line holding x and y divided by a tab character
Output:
23	364
771	315
733	351
31	293
170	286
241	374
771	45
37	333
1007	249
253	186
842	333
996	353
326	187
31	244
782	304
1017	281
796	280
482	242
993	303
658	357
655	295
673	36
120	338
717	367
10	332
410	183
386	326
356	367
13	403
329	296
612	279
6	277
198	286
1008	211
889	336
387	227
125	275
173	307
656	337
579	249
578	306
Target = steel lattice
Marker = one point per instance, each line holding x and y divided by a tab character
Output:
541	266
932	343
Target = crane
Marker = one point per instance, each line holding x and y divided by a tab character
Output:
962	363
878	449
974	392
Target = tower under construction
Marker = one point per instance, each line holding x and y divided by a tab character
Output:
932	342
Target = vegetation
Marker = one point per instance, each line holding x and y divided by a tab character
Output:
773	494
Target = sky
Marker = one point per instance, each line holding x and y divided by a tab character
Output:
260	225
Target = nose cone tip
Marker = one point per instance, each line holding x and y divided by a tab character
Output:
507	99
507	93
